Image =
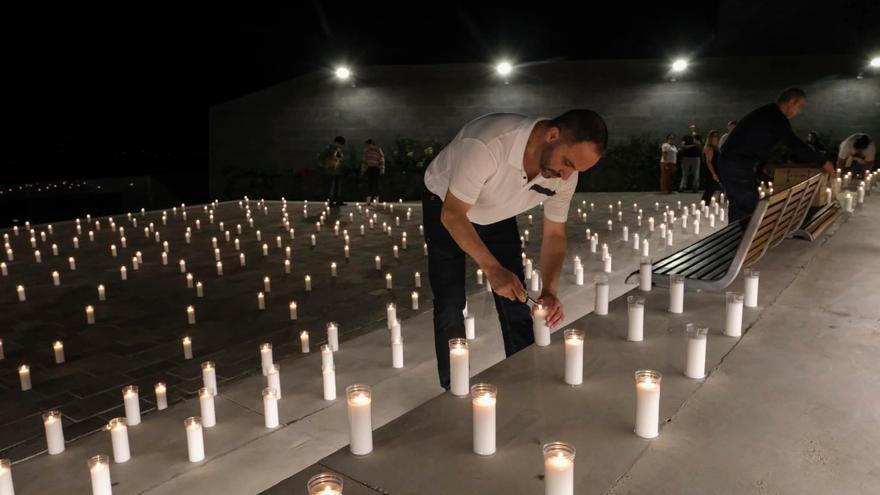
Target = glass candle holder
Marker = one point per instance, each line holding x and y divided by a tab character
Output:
459	367
733	323
574	356
54	431
559	468
6	486
645	273
676	294
360	418
602	294
483	398
696	351
647	403
99	469
195	441
325	484
635	309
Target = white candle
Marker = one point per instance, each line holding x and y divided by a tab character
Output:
90	315
527	269
469	327
308	281
326	356
314	241
333	269
191	315
304	341
270	407
4	269
574	356
273	379
118	428
287	266
209	376
266	360
360	421
559	468
479	276
261	301
483	398
610	225
579	275
195	441
54	432
395	330
397	353
733	324
635	309
418	279
333	336
848	203
329	373
625	233
607	267
646	248
24	376
676	294
750	298
647	403
21	295
602	295
535	281
292	307
390	314
187	348
135	263
539	326
265	250
56	279
415	300
99	471
388	281
425	248
6	486
645	274
459	367
696	351
131	401
37	257
206	406
161	396
58	350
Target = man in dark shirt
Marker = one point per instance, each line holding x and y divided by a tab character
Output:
751	143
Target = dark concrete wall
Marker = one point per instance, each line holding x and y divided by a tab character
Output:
282	128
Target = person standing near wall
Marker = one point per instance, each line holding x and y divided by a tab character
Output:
372	165
730	125
495	168
857	152
691	153
668	158
332	160
752	142
711	182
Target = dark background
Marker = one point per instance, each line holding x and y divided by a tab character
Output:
120	91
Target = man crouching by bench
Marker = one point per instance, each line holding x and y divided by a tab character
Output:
752	141
497	167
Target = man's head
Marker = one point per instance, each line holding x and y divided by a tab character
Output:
572	142
862	142
791	101
692	128
670	138
339	141
731	125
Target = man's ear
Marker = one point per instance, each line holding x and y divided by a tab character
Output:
552	134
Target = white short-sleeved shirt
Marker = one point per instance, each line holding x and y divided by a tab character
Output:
668	153
483	166
847	149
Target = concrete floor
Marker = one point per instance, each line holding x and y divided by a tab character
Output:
313	428
787	408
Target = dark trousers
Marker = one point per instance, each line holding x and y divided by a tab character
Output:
741	187
709	188
335	188
373	182
446	270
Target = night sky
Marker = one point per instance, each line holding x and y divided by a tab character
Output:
121	91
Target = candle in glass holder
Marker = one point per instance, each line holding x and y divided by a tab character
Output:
206	406
37	256
602	295
636	318
54	432
90	315
534	283
6	486
99	471
647	403
24	376
209	376
187	348
388	282
479	276
191	315
22	297
574	356
270	407
333	336
390	314
676	294
645	274
469	327
58	350
415	300
539	326
308	281
418	280
161	396
459	367
219	268
4	269
696	351
360	419
118	428
733	323
750	298
266	359
326	356
395	330
189	280
182	265
131	401
195	441
56	279
329	381
261	301
483	398
558	468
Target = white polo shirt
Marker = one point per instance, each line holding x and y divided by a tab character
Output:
848	149
483	166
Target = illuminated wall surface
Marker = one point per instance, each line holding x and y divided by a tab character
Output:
282	128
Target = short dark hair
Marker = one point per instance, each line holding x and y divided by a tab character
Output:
368	141
339	139
789	94
862	142
583	125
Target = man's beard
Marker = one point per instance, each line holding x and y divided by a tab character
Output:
544	163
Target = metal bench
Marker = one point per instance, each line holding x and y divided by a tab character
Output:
819	221
713	262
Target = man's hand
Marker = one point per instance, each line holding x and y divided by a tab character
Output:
553	307
828	167
505	283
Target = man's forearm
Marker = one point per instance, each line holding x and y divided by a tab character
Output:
552	256
464	234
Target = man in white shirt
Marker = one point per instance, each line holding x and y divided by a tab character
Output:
496	167
858	152
730	125
668	158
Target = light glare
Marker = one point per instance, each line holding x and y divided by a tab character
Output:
679	65
504	68
875	62
343	73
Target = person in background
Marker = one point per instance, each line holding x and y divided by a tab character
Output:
814	143
372	165
730	125
752	142
331	159
690	152
711	182
857	152
668	157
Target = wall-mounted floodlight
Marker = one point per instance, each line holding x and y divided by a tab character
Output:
504	68
679	65
875	62
343	73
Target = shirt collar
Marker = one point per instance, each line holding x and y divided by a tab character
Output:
515	158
